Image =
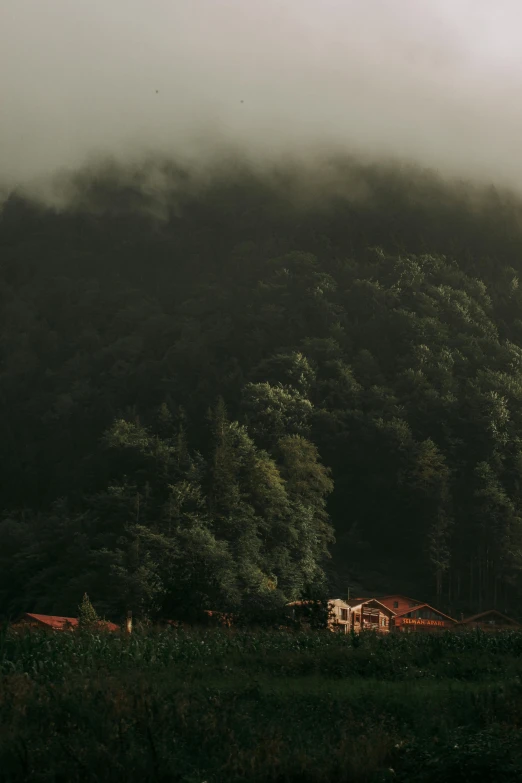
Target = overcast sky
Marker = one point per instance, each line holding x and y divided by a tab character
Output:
435	81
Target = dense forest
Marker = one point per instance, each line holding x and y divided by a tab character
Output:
229	391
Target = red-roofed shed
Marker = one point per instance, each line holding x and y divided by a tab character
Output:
58	623
491	620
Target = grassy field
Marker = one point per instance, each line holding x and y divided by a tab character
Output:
195	706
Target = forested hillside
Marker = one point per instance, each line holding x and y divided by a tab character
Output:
208	388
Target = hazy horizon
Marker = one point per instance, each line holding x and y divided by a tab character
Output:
433	84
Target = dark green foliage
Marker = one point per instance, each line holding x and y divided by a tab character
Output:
491	755
87	615
176	531
394	373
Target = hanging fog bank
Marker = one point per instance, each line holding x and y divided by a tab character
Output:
435	84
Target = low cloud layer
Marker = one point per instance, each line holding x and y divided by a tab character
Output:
437	83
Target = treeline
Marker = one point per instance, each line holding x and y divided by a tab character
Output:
201	388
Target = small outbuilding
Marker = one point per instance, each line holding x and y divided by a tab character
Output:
57	622
491	620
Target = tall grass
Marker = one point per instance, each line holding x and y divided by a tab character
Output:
218	705
394	656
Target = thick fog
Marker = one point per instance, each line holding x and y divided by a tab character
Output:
438	82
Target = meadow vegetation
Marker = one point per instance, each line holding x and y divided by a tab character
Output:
260	705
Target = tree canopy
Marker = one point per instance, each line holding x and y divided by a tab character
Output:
256	395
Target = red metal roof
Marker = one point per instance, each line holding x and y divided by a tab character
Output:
109	626
53	621
399	595
58	623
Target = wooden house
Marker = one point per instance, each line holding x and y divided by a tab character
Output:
338	615
370	614
491	620
424	618
359	614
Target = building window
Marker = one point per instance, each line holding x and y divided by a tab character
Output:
395	604
344	614
383	622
